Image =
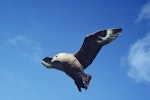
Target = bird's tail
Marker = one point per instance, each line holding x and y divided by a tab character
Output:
83	82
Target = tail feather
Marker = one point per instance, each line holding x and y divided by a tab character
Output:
83	82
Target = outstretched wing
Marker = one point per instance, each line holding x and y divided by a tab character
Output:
93	43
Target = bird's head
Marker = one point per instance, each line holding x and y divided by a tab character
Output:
54	62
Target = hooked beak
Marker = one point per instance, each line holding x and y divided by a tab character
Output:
47	62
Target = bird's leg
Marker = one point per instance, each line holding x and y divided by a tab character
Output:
78	86
83	81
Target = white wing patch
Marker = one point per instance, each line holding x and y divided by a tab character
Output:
109	36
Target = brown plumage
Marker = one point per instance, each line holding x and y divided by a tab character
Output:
74	64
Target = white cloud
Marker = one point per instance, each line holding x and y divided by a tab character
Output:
145	13
17	40
36	52
138	57
26	47
139	60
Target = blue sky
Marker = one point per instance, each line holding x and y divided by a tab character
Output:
33	29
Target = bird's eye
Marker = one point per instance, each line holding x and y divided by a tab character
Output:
56	56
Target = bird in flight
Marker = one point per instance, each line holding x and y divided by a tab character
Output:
75	64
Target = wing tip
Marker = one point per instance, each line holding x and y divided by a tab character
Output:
116	30
112	34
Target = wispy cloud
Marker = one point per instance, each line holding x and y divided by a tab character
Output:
17	40
138	57
139	60
145	12
36	52
27	48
